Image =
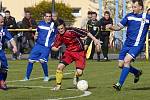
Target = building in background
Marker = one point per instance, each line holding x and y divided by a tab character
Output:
80	7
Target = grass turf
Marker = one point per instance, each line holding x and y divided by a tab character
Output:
100	75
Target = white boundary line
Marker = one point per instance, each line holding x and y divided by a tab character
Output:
36	78
86	93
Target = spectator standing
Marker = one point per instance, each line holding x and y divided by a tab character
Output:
10	23
29	23
93	28
85	20
104	34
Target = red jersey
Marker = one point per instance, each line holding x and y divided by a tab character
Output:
71	39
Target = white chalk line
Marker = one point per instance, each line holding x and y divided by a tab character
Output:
31	79
86	93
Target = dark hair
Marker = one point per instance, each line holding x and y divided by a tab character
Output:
28	12
7	11
148	9
94	13
89	12
140	2
47	12
107	12
60	22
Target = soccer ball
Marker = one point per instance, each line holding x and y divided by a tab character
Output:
82	85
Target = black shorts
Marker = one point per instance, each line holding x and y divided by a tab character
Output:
88	41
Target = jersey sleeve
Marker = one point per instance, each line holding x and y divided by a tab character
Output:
58	41
37	28
149	18
78	32
124	21
8	35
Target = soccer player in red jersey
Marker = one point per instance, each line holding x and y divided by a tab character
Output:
71	38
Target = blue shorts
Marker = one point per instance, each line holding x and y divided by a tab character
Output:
39	52
131	50
3	59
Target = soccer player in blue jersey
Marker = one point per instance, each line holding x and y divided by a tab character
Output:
137	23
4	34
46	34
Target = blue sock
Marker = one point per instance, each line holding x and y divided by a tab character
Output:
123	75
133	70
45	68
29	69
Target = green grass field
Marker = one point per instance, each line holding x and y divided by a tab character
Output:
100	75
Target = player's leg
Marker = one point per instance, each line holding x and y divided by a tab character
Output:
45	70
134	51
122	56
98	50
124	72
3	71
78	74
43	60
33	57
132	70
59	76
105	48
66	59
29	69
80	61
126	68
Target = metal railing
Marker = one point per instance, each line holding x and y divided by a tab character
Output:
146	49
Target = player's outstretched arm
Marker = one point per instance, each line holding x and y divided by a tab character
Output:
114	28
96	41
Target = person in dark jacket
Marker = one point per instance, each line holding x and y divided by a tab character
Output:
29	23
10	23
104	34
93	28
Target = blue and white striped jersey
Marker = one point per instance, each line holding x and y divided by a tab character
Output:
137	28
4	34
46	33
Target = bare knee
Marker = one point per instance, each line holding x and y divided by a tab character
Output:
126	62
120	64
85	47
98	49
60	66
79	72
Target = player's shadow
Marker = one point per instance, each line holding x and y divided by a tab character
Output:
88	87
142	88
66	78
92	87
12	88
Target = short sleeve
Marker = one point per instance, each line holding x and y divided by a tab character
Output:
124	21
8	35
